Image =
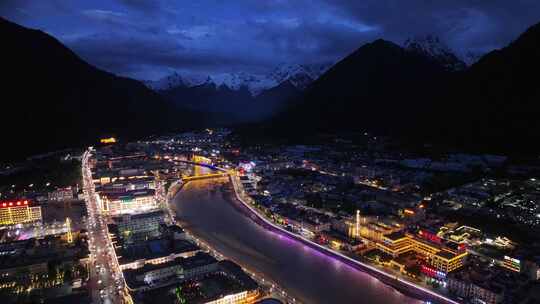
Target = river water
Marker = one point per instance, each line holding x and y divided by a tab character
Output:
306	274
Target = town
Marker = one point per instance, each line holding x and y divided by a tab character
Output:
112	235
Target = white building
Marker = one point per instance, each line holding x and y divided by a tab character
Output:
129	202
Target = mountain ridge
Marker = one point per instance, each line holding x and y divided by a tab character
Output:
67	102
389	90
432	46
299	75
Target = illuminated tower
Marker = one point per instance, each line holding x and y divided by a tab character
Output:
69	235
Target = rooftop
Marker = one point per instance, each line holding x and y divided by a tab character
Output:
394	236
153	249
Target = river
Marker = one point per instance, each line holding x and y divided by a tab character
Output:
306	274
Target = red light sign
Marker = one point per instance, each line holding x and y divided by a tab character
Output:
7	204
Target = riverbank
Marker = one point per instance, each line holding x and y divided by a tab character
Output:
269	288
403	286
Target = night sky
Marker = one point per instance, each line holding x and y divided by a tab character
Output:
146	39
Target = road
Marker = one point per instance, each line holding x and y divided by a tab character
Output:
107	284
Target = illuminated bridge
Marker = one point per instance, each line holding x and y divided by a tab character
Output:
204	176
201	161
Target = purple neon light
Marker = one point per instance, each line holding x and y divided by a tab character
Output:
334	254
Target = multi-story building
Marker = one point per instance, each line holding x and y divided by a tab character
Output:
315	227
19	212
369	229
129	202
130	184
481	282
142	226
396	243
61	194
447	261
442	258
512	263
180	268
236	298
468	289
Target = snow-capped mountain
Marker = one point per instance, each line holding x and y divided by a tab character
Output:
433	47
298	75
174	80
165	83
255	83
471	57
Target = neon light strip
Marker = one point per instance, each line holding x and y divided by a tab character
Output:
337	253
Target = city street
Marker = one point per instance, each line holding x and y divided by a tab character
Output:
106	284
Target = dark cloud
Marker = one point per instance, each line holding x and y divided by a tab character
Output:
144	38
464	24
142	4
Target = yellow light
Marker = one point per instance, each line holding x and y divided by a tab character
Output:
110	140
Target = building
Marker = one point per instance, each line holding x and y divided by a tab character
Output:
396	244
130	184
25	265
227	284
465	288
482	282
315	226
178	269
369	229
159	251
129	202
440	257
61	194
339	241
447	261
19	212
236	298
142	226
512	264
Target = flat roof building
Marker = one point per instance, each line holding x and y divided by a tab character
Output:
19	212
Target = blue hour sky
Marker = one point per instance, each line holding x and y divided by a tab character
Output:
146	39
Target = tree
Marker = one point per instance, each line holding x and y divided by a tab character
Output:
179	297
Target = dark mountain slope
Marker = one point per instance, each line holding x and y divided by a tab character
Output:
277	98
493	106
52	99
497	101
379	87
228	106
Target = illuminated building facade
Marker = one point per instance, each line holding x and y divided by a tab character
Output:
129	202
441	258
447	261
237	298
512	264
19	212
184	268
396	243
364	228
